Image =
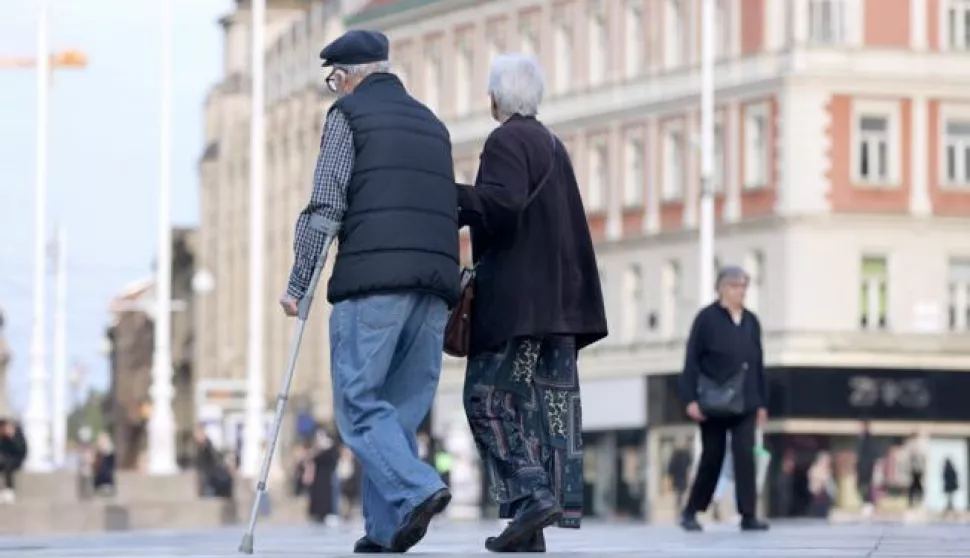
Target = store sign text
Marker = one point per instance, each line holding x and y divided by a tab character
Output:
868	392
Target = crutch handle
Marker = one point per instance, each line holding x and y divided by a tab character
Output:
303	307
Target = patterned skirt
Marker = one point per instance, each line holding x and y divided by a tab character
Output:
523	407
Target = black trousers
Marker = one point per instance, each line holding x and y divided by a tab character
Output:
714	433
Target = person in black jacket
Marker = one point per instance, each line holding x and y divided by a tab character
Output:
725	390
538	302
13	452
385	188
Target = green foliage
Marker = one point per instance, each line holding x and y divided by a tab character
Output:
89	413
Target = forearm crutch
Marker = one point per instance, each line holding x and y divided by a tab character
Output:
303	310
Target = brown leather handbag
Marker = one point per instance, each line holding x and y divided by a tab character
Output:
458	329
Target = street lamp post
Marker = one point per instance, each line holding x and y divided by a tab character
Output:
254	432
59	410
37	417
161	422
705	227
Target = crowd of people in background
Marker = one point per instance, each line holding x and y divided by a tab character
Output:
324	471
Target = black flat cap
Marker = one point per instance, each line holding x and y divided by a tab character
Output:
356	47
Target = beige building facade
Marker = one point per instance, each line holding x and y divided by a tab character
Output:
842	146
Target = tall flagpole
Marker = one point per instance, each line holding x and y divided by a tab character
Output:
254	432
161	422
706	226
37	418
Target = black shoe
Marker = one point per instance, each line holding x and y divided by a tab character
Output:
753	524
415	525
537	543
367	546
540	512
689	523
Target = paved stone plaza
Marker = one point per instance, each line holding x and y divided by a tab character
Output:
462	539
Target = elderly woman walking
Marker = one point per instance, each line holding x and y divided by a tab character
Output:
538	302
725	390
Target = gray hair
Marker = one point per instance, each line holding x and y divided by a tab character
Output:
730	272
364	70
517	84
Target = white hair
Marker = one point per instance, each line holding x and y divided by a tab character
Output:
517	84
364	70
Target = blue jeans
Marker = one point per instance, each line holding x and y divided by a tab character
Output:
385	353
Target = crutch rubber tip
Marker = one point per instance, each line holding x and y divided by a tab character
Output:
246	546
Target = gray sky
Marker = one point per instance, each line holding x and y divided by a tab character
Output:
103	157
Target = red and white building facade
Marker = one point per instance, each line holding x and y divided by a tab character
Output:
843	187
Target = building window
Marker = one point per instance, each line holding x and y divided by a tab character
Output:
754	265
959	300
873	163
719	159
673	165
675	30
632	302
722	42
633	38
530	39
670	299
959	24
464	71
598	47
598	176
957	152
755	146
564	57
874	295
432	77
633	179
826	22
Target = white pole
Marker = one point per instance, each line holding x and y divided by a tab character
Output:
161	423
254	432
59	399
37	427
706	226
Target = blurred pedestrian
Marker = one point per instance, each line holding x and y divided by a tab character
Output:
104	465
13	452
537	303
725	484
349	474
725	390
821	485
951	483
678	469
866	456
214	476
917	466
318	477
385	181
442	462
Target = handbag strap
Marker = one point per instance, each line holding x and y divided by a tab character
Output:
542	182
545	178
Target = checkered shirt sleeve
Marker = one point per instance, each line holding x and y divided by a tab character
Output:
328	203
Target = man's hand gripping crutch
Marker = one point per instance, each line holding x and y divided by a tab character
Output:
300	309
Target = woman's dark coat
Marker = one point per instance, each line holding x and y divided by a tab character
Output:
537	272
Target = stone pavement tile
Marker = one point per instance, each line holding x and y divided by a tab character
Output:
463	539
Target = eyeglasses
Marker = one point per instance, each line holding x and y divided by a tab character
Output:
333	80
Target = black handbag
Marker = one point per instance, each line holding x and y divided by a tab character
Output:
722	399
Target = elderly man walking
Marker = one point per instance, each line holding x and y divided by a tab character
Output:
385	181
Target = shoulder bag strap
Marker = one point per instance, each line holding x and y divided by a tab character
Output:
545	178
532	196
